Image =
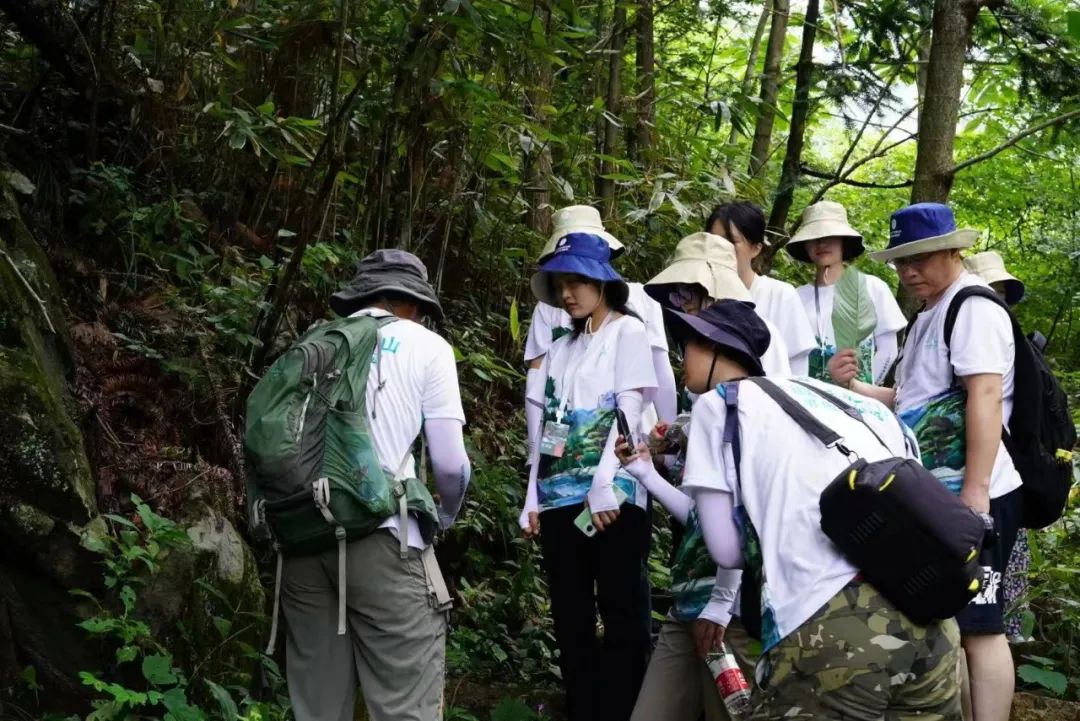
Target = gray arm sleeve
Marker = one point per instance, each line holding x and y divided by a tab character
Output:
450	464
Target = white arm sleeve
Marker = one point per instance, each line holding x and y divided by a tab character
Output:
666	398
885	353
675	501
718	527
721	603
601	496
534	409
532	502
450	465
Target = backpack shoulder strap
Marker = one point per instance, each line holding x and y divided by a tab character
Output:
798	413
846	407
977	291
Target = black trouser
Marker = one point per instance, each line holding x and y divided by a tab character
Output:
609	572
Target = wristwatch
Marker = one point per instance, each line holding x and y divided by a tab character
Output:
988	524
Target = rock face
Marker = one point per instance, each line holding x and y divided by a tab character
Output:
1029	707
46	489
206	604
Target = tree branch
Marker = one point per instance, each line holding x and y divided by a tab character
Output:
813	173
1063	118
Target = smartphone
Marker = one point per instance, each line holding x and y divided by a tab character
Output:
584	519
624	427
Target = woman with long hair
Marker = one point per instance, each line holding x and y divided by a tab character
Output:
592	517
743	223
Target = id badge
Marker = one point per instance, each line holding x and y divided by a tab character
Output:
553	442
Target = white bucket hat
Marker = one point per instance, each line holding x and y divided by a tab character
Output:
825	219
705	260
579	219
989	266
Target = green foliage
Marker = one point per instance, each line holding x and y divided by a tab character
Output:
145	681
853	317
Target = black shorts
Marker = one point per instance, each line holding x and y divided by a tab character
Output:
985	615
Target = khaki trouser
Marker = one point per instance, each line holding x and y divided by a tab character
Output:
395	641
678	685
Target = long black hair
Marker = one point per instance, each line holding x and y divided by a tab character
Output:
616	295
742	214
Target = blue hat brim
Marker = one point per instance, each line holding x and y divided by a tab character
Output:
684	326
596	270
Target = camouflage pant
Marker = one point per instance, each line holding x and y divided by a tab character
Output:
859	658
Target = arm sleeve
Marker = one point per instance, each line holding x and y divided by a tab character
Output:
666	399
677	503
982	339
885	354
532	502
717	513
722	600
450	466
534	405
601	494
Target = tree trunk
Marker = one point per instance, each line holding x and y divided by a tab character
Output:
606	187
539	95
770	87
953	20
752	58
926	17
789	176
645	59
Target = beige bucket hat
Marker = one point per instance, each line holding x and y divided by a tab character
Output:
702	259
989	266
579	219
825	219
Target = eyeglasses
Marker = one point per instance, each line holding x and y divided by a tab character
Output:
915	261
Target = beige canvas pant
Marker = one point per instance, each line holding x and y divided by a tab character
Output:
395	640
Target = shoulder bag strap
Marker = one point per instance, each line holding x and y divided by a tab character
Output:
799	414
847	408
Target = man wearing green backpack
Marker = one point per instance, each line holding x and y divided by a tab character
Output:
332	478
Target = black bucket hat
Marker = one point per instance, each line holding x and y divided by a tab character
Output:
732	324
387	271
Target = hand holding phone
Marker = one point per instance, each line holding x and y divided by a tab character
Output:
624	427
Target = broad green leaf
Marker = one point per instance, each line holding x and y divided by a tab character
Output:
224	700
1074	24
515	321
853	316
1050	680
158	670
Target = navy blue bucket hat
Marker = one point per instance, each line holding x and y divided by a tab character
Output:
732	324
581	254
924	228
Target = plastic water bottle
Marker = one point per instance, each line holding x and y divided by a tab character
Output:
730	683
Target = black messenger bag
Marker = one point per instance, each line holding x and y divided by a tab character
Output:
911	538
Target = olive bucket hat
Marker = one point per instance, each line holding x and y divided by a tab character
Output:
825	219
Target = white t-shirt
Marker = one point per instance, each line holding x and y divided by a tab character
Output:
550	323
420	383
929	396
890	320
776	301
782	472
776	361
584	376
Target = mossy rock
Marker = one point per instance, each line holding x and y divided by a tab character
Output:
47	491
207	602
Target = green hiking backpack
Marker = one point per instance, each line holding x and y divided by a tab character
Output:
314	478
